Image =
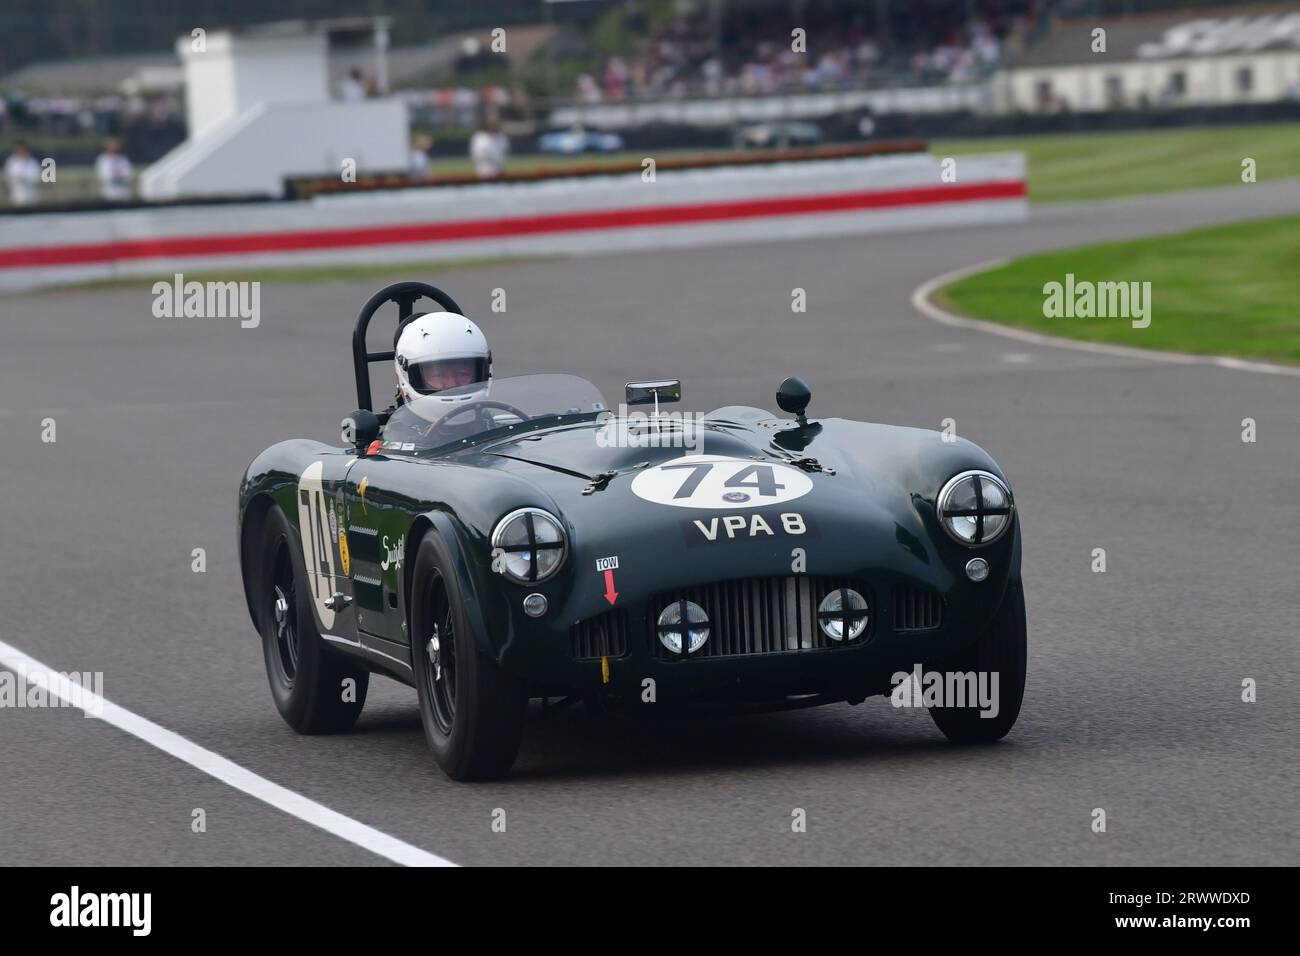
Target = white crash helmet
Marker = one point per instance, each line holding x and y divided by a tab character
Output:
440	350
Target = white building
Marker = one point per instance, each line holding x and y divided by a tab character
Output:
1214	57
260	108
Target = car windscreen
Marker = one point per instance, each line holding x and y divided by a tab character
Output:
456	414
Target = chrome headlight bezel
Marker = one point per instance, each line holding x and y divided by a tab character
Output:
535	575
943	510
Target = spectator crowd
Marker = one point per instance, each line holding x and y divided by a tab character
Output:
752	51
102	115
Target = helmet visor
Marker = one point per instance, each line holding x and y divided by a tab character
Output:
429	377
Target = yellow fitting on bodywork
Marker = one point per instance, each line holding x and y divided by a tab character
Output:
604	670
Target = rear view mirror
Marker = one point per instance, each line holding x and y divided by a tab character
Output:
645	393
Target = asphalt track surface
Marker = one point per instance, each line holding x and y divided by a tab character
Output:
1133	700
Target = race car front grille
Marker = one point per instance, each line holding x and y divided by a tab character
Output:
916	609
760	616
602	636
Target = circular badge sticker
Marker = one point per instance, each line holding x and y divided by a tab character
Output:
717	482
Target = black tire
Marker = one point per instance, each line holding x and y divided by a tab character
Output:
307	678
472	710
1001	649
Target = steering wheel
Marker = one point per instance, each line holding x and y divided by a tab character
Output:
478	407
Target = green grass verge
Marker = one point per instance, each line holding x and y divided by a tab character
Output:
1230	290
1077	166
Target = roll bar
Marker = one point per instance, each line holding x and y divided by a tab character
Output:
405	294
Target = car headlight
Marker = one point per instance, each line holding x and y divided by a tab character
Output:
975	508
683	617
528	545
843	610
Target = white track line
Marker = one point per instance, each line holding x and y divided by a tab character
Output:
215	765
921	302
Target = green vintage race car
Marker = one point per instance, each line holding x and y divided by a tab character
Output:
521	540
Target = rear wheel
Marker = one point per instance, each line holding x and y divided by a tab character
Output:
472	710
1001	650
309	683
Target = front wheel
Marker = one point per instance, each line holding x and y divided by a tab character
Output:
472	710
1000	649
315	690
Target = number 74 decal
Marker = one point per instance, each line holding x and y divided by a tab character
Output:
318	536
717	482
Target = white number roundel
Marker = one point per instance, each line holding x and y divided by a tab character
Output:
717	482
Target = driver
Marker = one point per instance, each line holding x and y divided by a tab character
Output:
435	352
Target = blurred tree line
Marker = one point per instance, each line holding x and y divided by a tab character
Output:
34	30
